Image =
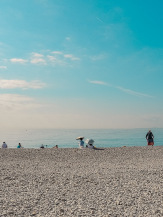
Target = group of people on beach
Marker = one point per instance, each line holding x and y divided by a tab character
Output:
4	145
90	142
42	146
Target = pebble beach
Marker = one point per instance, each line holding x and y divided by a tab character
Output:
126	181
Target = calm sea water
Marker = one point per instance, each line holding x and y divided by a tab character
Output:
66	138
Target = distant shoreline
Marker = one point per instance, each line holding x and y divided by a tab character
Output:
59	147
67	138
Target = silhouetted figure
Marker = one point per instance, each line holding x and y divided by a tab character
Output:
150	137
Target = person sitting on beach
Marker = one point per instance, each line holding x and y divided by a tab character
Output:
90	143
19	145
81	142
55	146
89	146
150	137
42	146
4	145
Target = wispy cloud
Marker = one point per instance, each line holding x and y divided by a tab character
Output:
101	21
55	60
37	58
18	60
68	38
128	91
57	52
14	98
17	102
38	61
3	67
22	84
70	56
134	93
67	56
98	82
50	57
60	58
37	55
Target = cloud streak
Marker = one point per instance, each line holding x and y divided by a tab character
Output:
57	52
38	61
3	67
22	84
101	21
125	90
71	57
18	60
134	93
98	82
13	102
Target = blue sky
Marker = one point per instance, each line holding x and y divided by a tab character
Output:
81	64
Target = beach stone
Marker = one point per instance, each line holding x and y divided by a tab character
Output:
72	182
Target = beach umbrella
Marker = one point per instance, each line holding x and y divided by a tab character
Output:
89	141
80	137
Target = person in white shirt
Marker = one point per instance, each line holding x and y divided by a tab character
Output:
4	145
90	146
90	143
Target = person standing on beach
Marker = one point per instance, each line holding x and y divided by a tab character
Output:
150	137
81	142
4	145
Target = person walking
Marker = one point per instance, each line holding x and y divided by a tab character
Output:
150	138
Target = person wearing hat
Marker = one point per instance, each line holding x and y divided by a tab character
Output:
81	142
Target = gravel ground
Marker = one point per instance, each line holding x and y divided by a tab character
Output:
125	181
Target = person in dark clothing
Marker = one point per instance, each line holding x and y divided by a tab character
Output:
150	137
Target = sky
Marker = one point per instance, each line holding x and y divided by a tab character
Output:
81	64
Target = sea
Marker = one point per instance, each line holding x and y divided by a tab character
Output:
66	138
